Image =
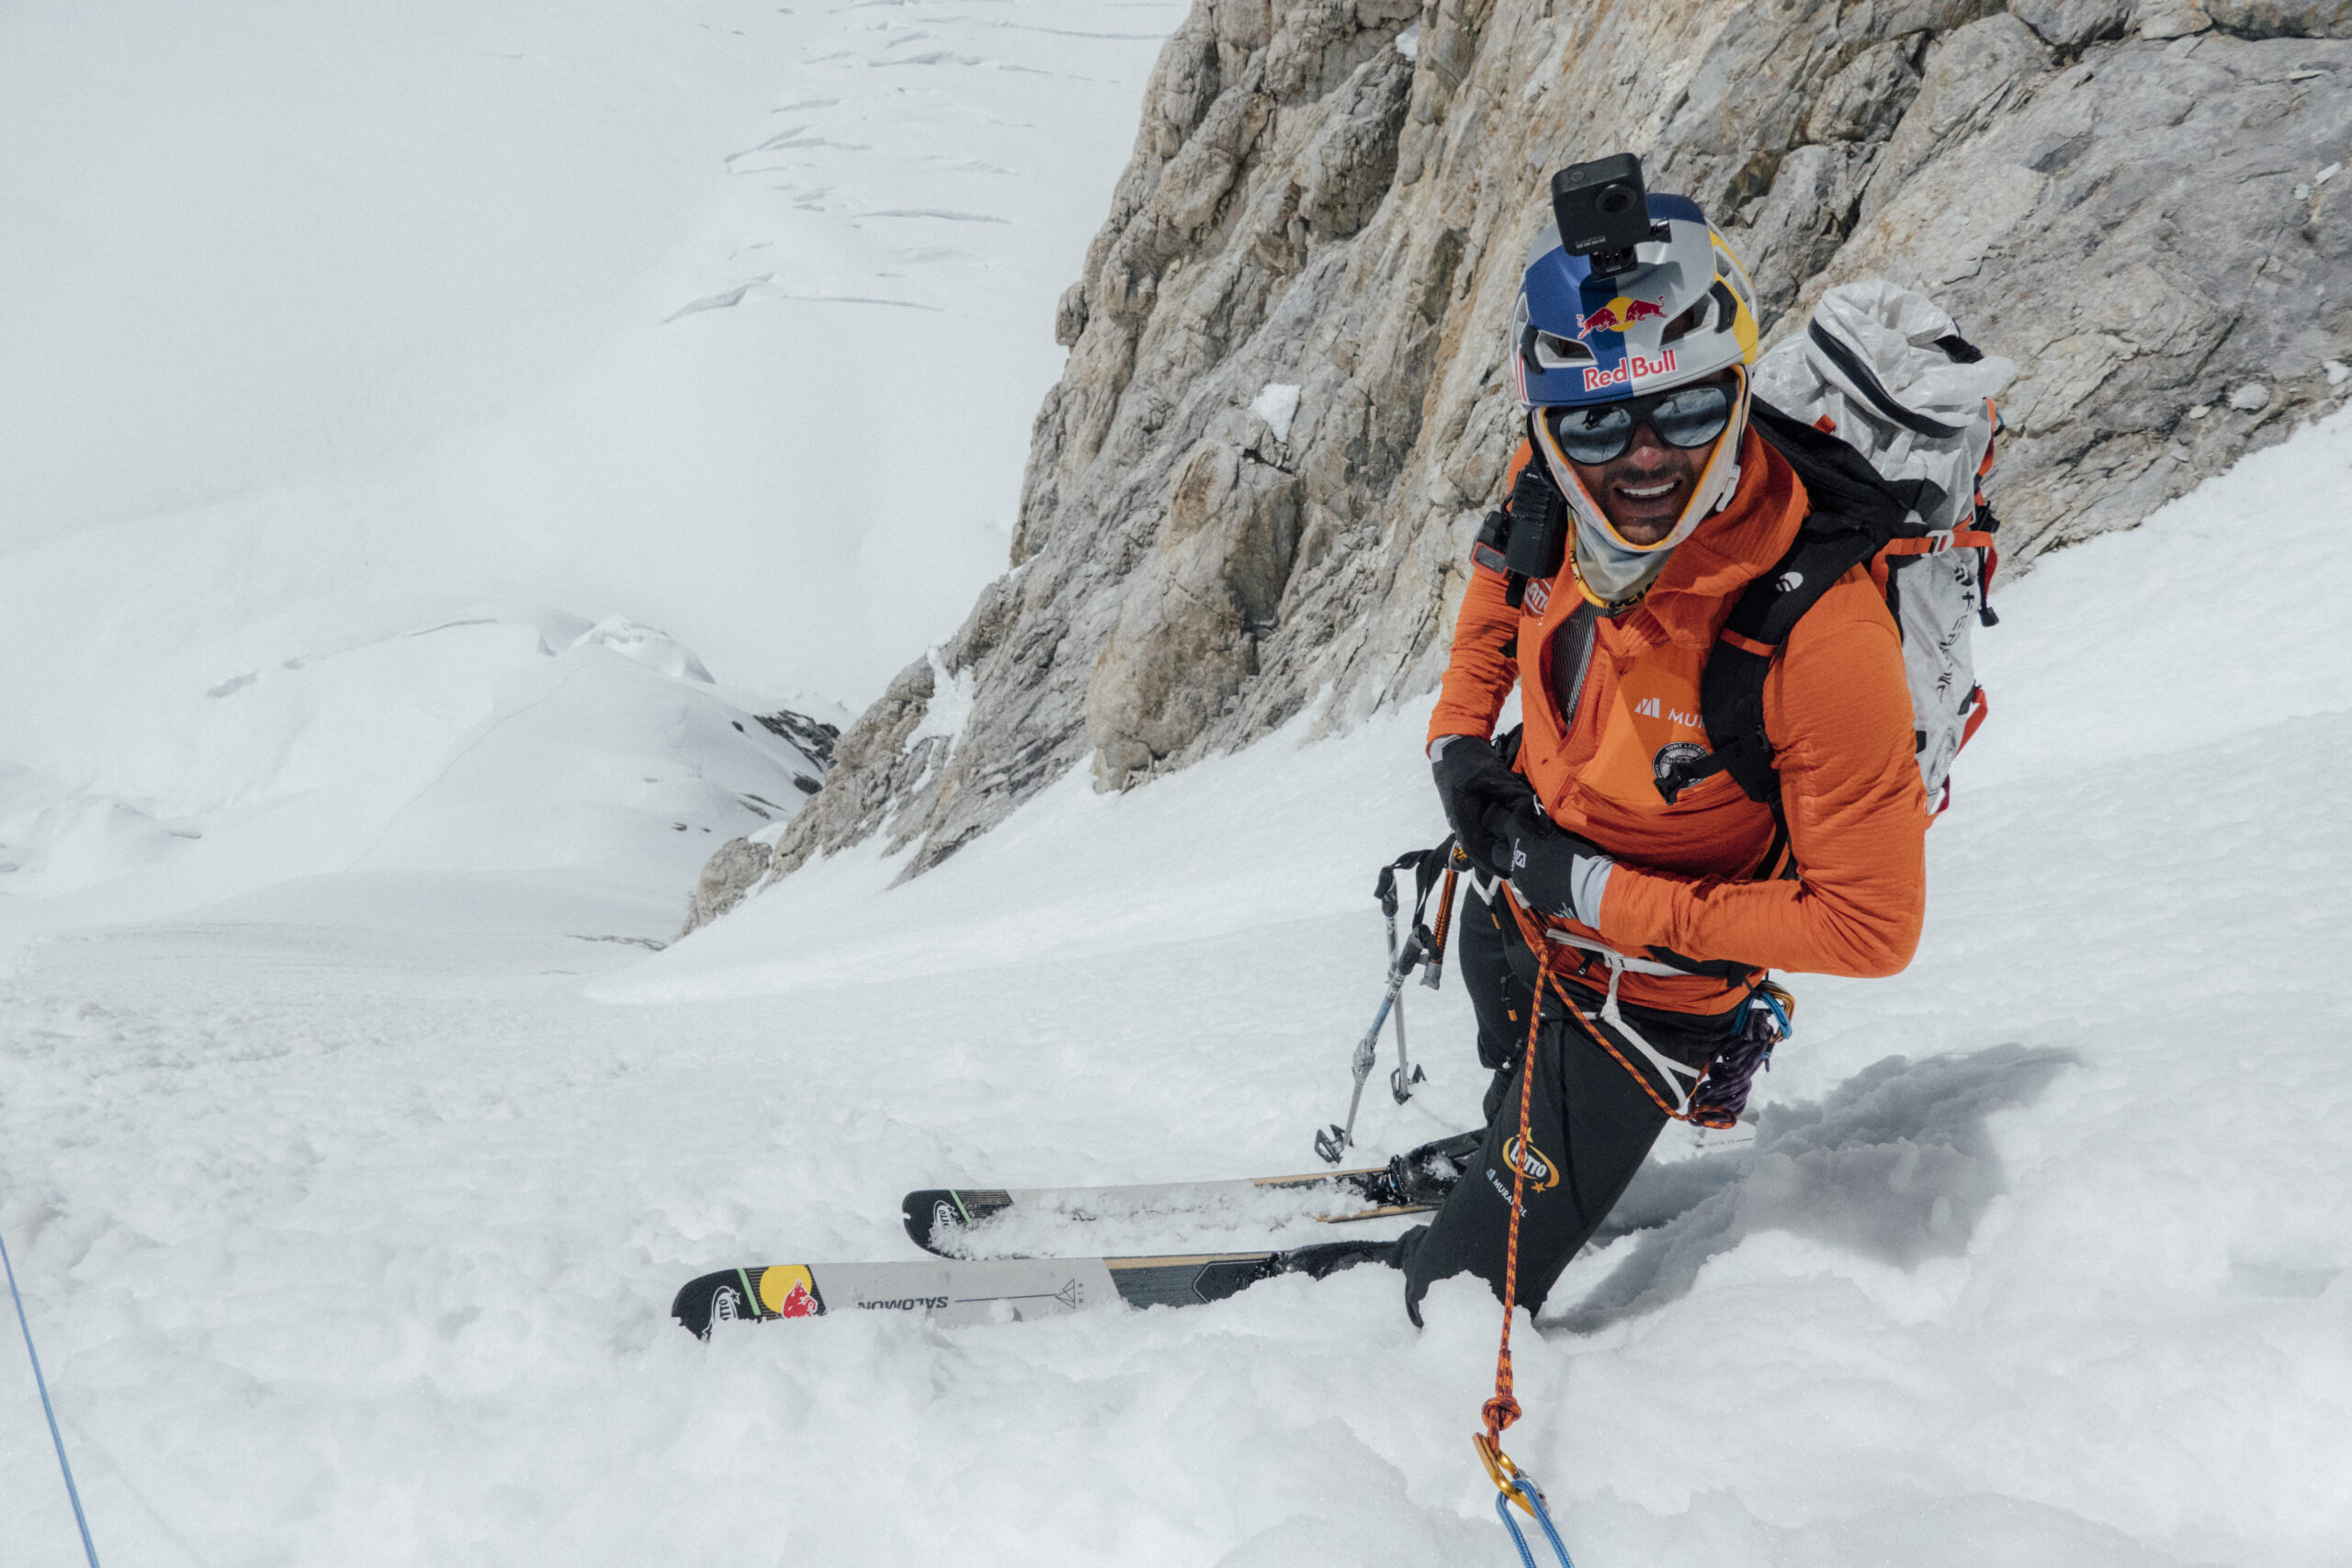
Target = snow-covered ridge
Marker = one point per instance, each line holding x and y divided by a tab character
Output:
336	393
491	740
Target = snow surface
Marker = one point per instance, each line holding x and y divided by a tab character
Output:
1277	404
565	302
349	1209
421	479
379	357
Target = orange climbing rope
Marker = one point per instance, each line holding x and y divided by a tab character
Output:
1501	1410
1514	1486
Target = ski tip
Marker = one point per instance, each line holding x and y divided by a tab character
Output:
747	1295
937	1216
701	1302
930	1214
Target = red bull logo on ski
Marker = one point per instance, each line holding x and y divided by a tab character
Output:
1634	368
788	1290
1619	314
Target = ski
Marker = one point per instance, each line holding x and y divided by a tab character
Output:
952	1291
941	1220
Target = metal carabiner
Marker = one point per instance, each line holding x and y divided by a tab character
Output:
1513	1484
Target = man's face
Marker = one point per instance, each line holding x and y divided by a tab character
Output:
1644	488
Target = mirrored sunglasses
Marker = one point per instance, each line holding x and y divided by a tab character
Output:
1598	433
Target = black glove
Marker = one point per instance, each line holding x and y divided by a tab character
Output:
1555	872
1471	781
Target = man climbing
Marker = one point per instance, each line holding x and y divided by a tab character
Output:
1648	906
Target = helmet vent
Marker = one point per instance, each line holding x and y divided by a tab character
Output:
1685	324
1553	353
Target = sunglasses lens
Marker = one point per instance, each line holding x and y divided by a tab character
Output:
1594	435
1692	417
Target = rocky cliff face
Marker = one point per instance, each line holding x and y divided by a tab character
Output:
1286	402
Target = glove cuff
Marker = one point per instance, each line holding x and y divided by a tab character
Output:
1588	883
1438	746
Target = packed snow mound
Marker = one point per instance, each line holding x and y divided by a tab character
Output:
491	740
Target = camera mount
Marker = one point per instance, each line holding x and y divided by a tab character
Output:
1602	210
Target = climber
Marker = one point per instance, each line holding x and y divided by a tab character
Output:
1642	504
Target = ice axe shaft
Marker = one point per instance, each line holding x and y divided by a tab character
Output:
1434	970
1418	949
1338	1138
1400	964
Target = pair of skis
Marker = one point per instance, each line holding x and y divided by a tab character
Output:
951	1288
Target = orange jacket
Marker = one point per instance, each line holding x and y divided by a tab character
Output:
1837	712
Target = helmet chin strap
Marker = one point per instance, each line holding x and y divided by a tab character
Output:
1611	571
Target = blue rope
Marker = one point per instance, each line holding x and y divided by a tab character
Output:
50	1411
1528	1489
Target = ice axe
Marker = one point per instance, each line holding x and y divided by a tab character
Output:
1419	947
1456	861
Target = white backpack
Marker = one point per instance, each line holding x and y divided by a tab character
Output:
1886	413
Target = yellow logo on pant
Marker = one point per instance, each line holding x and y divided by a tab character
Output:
1541	1173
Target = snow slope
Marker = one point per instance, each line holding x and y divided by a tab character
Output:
510	319
730	318
349	1210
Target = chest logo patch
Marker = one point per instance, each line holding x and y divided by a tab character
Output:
1671	755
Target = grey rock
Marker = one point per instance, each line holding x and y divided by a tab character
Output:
2283	18
728	877
2070	24
2162	19
2119	214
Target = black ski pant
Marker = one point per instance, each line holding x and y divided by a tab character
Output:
1591	1123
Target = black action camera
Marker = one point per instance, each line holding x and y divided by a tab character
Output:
1603	211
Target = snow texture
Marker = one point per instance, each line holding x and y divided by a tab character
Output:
1277	405
349	1209
728	317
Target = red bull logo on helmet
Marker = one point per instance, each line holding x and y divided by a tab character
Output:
1619	314
1624	375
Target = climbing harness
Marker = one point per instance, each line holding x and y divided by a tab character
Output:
1512	1484
41	1383
1420	948
1717	1092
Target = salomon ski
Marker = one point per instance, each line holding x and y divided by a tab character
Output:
946	1219
1015	1290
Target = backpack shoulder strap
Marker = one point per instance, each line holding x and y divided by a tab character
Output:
1731	689
1854	513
